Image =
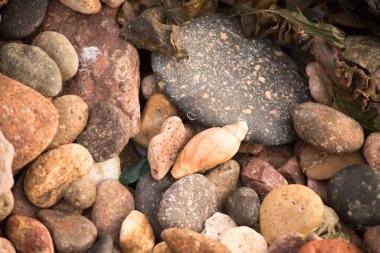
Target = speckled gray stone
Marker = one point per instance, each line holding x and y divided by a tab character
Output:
228	77
188	203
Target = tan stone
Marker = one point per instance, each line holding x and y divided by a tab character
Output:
83	6
113	3
81	193
6	158
5	245
329	246
162	247
6	204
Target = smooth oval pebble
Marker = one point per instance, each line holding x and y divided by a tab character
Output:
59	48
327	129
83	6
28	235
70	232
371	150
81	193
371	239
53	171
162	247
244	240
6	204
7	153
290	208
329	246
354	194
136	234
188	203
6	246
217	224
110	168
31	66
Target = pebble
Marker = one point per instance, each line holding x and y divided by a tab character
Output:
354	194
250	148
53	171
229	78
244	240
371	150
112	204
107	169
6	246
188	203
182	240
276	156
64	207
291	170
371	239
7	153
109	66
225	177
327	129
81	193
217	224
319	84
243	206
105	135
136	234
149	86
320	165
319	187
165	147
73	115
113	3
31	66
261	176
103	245
157	110
329	246
20	18
59	48
85	7
6	204
70	232
288	243
162	247
290	209
28	235
148	196
20	104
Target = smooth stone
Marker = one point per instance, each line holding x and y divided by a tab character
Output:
292	172
7	153
320	84
319	187
188	203
52	172
105	135
20	18
3	2
354	194
288	243
149	86
63	206
103	245
217	224
73	116
136	234
162	247
107	169
371	239
113	3
109	66
229	78
276	156
6	246
250	148
327	129
28	235
85	7
244	240
112	204
70	232
31	66
157	109
20	104
59	48
290	209
81	193
6	204
185	240
148	196
329	246
225	178
371	150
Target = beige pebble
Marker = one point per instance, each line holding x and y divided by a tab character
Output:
244	240
162	247
113	3
6	204
83	6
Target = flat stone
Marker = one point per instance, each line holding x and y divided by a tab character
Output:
6	158
217	224
6	204
70	232
20	18
354	194
103	245
108	65
244	240
229	78
6	246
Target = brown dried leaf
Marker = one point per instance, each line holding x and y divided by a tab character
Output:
182	10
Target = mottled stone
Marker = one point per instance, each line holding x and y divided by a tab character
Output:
354	194
6	204
148	196
70	232
276	156
188	203
244	240
107	169
229	78
6	246
149	86
7	153
83	6
81	193
28	235
103	245
329	246
327	129
108	65
319	187
31	66
20	104
371	239
53	171
225	177
250	148
113	3
319	83
64	207
136	234
371	150
162	247
217	224
20	18
112	204
291	170
288	243
73	115
185	240
290	208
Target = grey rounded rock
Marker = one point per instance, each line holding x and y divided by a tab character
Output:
103	245
229	78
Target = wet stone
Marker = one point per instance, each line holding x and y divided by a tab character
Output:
229	78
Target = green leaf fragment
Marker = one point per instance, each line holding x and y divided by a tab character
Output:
132	173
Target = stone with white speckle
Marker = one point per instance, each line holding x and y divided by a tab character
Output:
217	224
228	77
